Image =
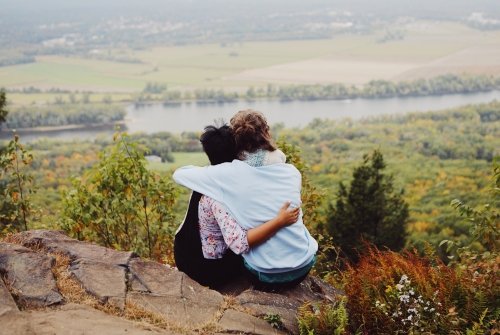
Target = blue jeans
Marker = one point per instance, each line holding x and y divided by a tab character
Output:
281	277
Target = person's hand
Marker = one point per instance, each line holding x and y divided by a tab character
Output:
286	215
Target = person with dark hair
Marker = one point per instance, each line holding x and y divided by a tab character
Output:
207	246
219	144
251	188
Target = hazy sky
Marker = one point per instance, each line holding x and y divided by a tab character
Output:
226	7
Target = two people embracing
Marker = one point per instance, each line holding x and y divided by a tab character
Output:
244	215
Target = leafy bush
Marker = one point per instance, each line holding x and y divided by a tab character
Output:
119	203
311	195
391	293
274	320
323	318
376	285
480	268
16	187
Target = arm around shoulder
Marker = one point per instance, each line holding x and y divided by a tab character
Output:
200	179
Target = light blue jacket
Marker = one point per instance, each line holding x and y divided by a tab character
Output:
253	195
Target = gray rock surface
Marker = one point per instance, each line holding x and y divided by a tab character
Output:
171	293
54	241
133	285
104	281
15	323
7	303
235	322
262	304
286	302
29	276
72	319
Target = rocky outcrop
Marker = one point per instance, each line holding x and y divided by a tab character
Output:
120	286
73	319
29	276
7	304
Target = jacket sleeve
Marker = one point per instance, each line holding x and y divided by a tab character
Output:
204	180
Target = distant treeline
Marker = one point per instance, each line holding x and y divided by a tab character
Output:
62	115
36	90
16	60
444	84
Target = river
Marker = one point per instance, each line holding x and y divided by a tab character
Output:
194	116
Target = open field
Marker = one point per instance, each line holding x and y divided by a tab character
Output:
181	159
427	49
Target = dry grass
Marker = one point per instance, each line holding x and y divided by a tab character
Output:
21	239
137	313
74	292
14	238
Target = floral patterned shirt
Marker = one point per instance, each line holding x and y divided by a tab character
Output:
219	230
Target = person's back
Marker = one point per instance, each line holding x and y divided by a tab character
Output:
251	189
252	195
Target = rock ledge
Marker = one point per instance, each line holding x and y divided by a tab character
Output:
123	286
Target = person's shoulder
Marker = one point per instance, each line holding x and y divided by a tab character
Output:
291	167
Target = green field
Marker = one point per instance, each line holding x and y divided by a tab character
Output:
181	159
427	49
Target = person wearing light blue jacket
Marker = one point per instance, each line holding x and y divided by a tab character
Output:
251	188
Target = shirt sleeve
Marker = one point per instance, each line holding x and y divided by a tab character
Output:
200	179
234	236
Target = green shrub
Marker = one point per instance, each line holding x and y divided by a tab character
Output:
119	203
16	186
323	318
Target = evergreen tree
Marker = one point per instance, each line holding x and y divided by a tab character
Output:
370	210
3	104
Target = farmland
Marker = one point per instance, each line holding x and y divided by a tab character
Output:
422	50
